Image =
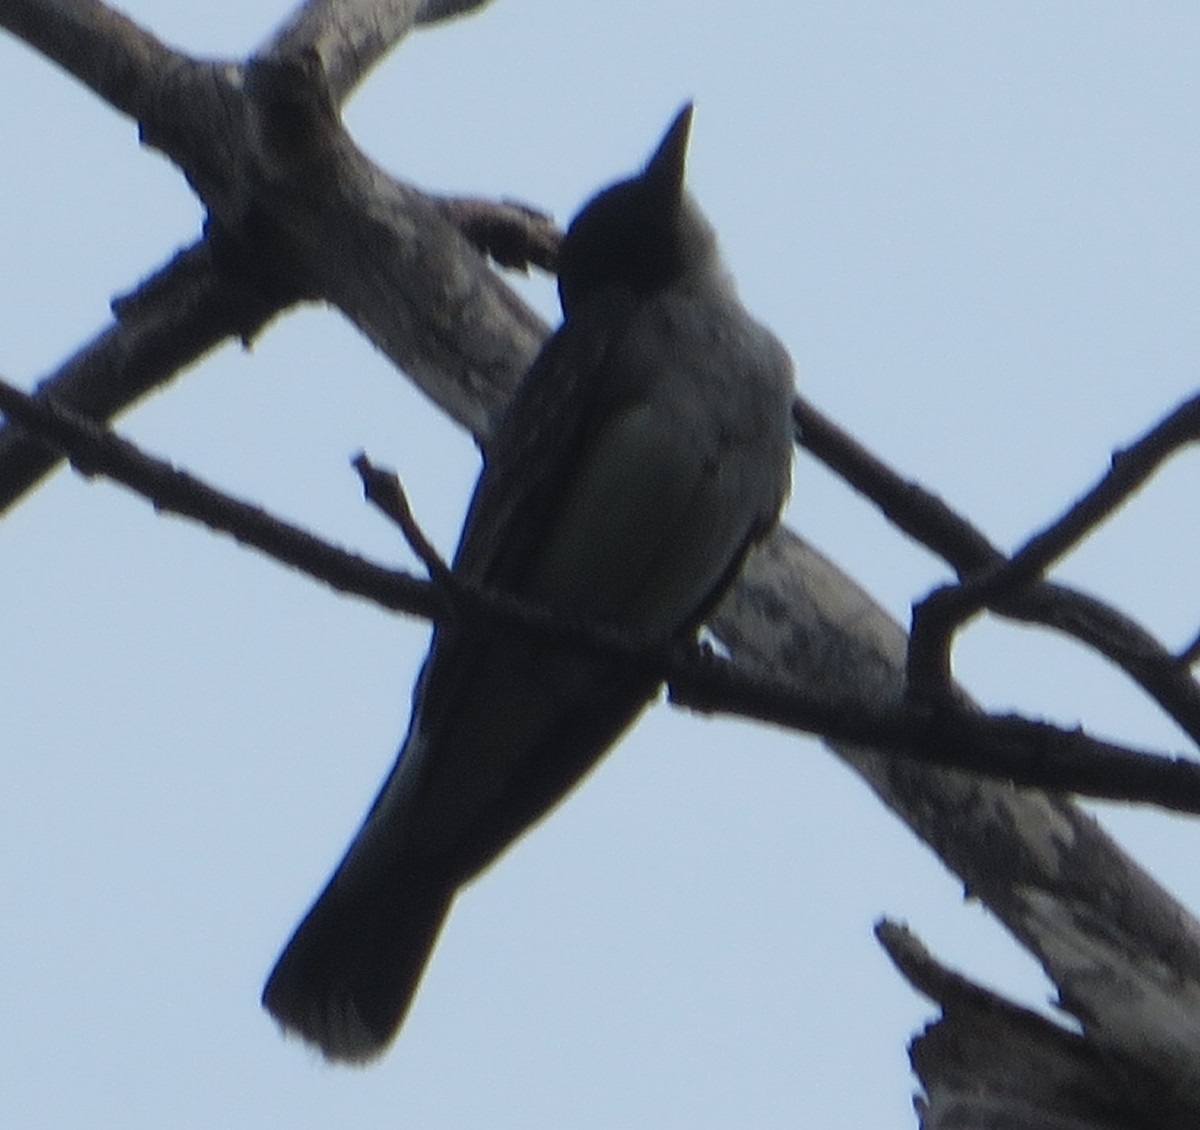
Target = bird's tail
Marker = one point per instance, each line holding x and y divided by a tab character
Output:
349	972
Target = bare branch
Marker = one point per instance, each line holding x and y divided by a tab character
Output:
926	518
512	234
1128	473
1008	747
283	184
173	320
906	504
938	616
105	50
95	450
351	36
1014	749
1037	861
403	273
436	11
987	1062
122	62
384	489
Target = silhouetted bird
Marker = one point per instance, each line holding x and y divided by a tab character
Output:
646	450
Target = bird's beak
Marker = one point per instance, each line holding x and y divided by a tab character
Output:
665	169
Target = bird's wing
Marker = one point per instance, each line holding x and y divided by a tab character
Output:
618	491
511	722
502	726
547	430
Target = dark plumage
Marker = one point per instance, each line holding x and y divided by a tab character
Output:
647	448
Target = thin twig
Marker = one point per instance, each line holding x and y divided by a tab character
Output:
937	618
385	491
1021	750
1163	676
906	504
95	450
1012	748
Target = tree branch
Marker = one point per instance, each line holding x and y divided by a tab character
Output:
928	520
96	451
102	48
937	618
351	36
988	1063
1011	748
1043	867
384	490
1036	859
282	182
510	233
187	309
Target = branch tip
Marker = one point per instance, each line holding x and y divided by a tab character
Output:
384	490
512	234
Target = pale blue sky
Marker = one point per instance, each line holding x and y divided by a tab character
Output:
975	227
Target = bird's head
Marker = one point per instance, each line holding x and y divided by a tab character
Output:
643	233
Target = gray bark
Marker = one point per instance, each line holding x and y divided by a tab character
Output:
301	214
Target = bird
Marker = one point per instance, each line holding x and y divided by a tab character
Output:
645	451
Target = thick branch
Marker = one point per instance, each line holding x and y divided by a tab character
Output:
351	36
102	48
404	274
283	184
1040	864
988	1063
173	320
